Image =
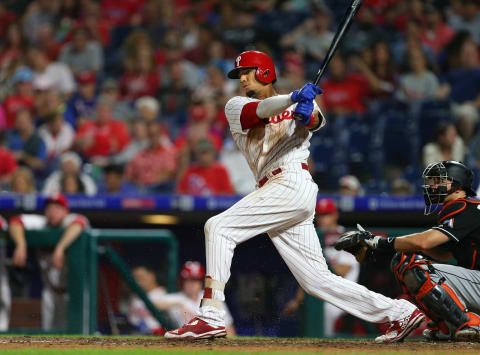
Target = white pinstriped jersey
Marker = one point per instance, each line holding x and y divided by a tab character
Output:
280	142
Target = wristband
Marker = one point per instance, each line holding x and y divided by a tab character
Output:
386	244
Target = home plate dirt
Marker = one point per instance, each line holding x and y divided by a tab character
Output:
241	344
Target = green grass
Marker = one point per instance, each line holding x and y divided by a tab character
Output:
186	352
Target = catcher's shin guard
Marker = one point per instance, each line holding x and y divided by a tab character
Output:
438	301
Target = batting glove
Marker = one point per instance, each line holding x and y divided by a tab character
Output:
307	93
303	112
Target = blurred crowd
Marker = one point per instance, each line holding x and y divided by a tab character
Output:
127	96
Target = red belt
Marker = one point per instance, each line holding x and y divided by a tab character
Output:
276	172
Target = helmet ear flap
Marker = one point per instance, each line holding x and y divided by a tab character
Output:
262	75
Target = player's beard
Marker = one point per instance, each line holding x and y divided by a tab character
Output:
251	93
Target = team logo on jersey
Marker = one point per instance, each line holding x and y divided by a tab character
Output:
285	115
448	222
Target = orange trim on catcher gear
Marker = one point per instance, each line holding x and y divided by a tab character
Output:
464	200
440	220
474	259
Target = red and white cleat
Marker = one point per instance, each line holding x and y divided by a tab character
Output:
197	329
400	329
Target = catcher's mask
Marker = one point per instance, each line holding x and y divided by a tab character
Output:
437	176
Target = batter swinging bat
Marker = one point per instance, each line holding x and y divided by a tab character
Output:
342	29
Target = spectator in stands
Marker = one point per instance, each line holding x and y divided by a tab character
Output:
22	95
47	41
140	77
345	93
237	167
82	54
349	185
23	181
418	83
466	17
154	168
47	102
7	17
312	37
381	72
114	182
139	141
105	135
401	187
435	33
147	108
446	145
218	57
138	314
81	106
27	146
464	86
57	135
411	40
70	164
8	163
38	13
174	96
342	263
198	53
50	75
54	274
122	110
183	305
206	176
71	184
12	49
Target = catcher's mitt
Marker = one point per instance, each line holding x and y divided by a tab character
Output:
355	243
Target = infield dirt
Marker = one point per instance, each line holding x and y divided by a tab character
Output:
334	346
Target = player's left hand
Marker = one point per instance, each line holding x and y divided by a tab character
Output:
306	93
359	243
303	112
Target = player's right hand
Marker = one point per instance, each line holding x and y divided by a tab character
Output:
303	112
307	93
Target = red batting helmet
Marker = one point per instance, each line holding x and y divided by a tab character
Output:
192	270
265	69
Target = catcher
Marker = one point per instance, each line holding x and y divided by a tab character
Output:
449	294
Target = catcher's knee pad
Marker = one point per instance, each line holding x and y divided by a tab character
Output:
438	301
409	269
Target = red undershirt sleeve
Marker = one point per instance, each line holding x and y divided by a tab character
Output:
249	118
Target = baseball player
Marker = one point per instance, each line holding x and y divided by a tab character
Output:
448	294
138	314
275	145
54	273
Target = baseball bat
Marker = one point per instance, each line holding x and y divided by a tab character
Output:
337	38
342	29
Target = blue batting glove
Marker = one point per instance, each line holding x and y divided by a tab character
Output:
303	112
307	93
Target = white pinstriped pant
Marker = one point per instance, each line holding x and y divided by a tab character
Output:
284	208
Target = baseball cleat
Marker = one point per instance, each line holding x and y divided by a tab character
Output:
468	334
197	329
400	329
